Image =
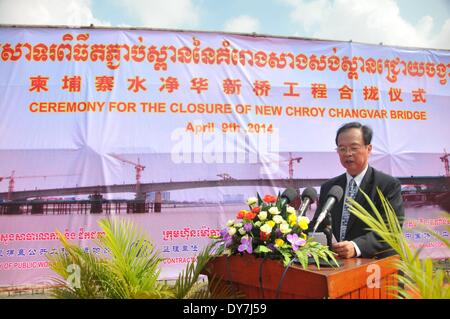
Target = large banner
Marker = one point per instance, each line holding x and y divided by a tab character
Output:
174	112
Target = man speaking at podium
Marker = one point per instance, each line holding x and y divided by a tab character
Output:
354	240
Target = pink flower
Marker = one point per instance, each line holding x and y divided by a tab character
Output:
295	241
246	245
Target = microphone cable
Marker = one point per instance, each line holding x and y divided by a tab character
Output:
282	277
230	278
261	289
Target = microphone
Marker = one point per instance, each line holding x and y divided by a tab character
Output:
309	196
334	196
288	196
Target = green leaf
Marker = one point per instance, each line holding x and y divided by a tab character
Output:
262	249
302	258
316	260
286	256
260	201
278	203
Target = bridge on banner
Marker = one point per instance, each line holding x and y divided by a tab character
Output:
440	183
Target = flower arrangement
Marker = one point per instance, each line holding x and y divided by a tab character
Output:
272	227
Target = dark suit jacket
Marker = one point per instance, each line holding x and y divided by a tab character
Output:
368	242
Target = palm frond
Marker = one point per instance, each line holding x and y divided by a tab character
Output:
132	270
134	262
418	277
87	265
187	285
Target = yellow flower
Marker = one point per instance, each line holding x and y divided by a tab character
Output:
292	219
303	222
271	223
303	236
279	242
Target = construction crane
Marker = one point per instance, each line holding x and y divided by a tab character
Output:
138	167
225	176
444	159
291	161
291	164
12	179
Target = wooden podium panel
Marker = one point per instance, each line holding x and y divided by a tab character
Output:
257	278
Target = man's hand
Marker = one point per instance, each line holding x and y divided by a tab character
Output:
345	249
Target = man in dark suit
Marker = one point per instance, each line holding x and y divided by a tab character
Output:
354	239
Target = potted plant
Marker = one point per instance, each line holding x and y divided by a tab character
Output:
271	228
418	278
258	247
132	271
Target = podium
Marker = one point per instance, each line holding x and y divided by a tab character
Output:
257	278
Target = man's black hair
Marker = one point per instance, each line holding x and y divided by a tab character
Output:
366	131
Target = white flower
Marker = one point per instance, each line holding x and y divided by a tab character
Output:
231	231
284	228
238	225
258	223
274	210
230	222
266	229
242	231
251	201
262	215
290	210
278	219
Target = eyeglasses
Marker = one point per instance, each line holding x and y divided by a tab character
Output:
353	149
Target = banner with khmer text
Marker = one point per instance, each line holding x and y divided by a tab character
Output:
203	120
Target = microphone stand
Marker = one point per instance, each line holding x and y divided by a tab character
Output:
329	234
327	230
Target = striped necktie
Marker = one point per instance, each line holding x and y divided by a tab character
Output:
351	192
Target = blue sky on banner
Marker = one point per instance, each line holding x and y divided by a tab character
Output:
415	23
